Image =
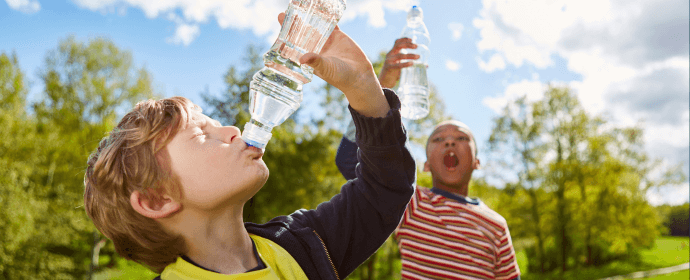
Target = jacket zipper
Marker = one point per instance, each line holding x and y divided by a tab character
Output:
327	255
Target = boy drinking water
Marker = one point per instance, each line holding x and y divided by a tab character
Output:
168	186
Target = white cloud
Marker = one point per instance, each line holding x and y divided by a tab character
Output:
675	195
632	58
24	6
456	30
496	62
184	34
258	16
375	10
533	90
452	65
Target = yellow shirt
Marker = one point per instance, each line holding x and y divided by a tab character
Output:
279	265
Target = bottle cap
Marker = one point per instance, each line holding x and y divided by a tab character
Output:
415	12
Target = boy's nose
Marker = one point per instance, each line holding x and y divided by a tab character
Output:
450	142
228	132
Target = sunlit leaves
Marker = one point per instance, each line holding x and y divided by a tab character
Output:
43	152
580	187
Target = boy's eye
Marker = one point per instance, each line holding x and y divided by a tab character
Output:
199	134
437	139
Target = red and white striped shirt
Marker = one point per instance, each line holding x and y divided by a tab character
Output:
452	237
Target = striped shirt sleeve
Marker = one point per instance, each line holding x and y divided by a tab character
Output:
506	267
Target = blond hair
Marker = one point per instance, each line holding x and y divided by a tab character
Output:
133	158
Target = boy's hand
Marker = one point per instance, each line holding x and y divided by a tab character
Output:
390	73
344	65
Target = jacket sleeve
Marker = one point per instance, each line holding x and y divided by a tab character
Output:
346	158
354	223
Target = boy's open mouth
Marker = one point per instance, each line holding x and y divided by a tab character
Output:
450	160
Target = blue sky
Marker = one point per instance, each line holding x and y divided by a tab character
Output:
626	60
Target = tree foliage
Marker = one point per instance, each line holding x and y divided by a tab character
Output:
581	183
47	234
675	219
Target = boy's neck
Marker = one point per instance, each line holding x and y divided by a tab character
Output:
217	242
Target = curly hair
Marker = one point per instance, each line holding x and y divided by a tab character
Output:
133	157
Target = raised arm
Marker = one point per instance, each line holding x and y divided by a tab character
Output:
346	156
355	222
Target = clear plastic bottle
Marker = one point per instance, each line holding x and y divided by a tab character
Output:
413	88
276	89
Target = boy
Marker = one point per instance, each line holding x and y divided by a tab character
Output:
169	184
444	234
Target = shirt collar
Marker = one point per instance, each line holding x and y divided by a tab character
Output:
456	197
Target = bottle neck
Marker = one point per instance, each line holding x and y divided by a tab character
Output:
414	21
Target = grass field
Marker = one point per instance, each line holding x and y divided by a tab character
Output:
684	275
667	251
126	270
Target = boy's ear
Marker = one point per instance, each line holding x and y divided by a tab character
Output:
476	164
155	208
427	166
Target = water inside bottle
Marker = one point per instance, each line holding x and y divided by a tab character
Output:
303	31
413	91
276	89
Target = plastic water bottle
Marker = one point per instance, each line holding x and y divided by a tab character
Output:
413	89
276	90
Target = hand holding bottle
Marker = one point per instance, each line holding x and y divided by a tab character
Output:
343	64
395	61
413	88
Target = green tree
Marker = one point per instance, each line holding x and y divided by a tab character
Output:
18	156
86	86
516	145
586	182
675	219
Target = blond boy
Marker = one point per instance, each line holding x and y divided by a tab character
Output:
169	184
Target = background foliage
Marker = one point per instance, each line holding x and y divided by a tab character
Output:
572	186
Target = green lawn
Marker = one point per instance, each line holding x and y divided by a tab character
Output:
667	251
126	270
685	274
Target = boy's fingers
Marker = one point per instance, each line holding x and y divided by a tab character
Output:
403	40
396	58
311	59
407	56
281	17
400	65
404	43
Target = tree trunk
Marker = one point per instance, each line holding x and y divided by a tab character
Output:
370	264
588	228
560	204
538	233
